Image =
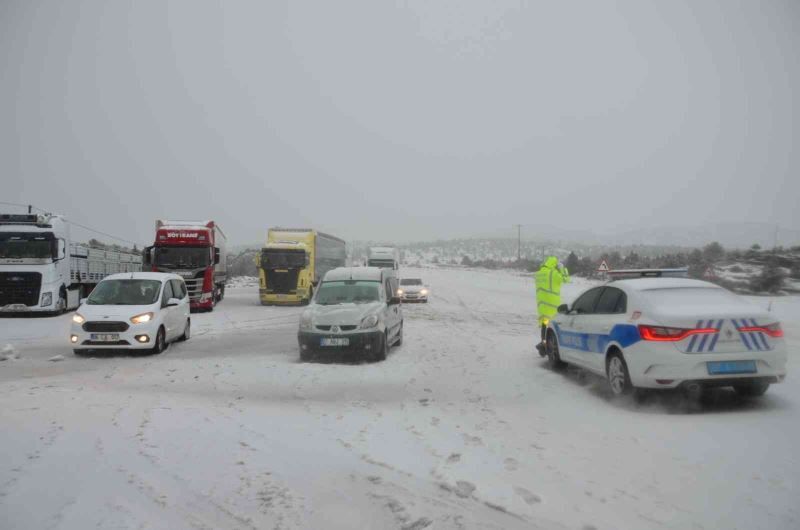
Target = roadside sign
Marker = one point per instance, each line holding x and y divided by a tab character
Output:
709	273
603	266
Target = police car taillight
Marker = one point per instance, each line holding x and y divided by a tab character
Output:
667	334
773	330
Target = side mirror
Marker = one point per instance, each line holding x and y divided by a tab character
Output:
395	300
563	309
83	301
172	302
61	249
216	255
147	256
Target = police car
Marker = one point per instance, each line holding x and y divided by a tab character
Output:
668	332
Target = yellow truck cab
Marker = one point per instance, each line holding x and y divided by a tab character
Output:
293	261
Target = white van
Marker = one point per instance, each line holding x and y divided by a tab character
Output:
355	312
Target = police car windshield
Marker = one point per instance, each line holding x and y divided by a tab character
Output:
348	292
125	292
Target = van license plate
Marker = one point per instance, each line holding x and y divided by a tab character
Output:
105	337
731	367
335	342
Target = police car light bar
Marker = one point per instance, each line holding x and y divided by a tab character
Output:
679	272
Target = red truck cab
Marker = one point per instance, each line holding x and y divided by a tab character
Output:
195	250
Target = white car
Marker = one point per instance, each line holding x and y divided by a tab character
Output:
669	333
355	312
413	290
139	310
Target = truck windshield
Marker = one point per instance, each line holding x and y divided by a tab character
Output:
382	263
283	259
348	292
19	245
182	257
125	292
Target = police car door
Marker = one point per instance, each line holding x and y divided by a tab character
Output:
573	341
598	325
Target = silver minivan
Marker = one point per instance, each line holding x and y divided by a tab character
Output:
355	312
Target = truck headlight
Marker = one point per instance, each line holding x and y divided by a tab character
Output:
369	322
141	319
305	322
47	299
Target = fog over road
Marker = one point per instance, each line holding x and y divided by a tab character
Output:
461	427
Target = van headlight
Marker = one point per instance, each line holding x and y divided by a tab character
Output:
141	319
47	299
423	292
369	322
305	322
78	318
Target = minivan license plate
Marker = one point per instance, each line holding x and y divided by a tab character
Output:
335	342
105	337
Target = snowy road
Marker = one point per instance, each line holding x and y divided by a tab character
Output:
462	427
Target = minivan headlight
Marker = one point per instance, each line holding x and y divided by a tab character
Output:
305	322
369	322
78	318
141	319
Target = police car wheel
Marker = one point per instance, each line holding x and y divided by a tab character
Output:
553	356
619	380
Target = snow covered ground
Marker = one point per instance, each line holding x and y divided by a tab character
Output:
462	427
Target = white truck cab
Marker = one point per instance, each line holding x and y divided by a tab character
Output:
42	270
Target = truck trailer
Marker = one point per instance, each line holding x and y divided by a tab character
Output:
293	261
43	271
196	251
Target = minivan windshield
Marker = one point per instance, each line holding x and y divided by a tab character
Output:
125	292
410	281
348	292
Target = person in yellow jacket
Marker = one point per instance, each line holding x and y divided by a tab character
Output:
548	293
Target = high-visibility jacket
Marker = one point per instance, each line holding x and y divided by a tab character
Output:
548	288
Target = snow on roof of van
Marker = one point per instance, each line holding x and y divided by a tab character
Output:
142	276
645	284
354	273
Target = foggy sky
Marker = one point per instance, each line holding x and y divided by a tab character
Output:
406	120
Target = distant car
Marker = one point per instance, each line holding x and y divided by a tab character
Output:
669	333
139	310
413	290
355	311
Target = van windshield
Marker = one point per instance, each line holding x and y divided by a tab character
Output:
348	292
125	292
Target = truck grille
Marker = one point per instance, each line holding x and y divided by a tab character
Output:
105	327
282	281
20	288
195	287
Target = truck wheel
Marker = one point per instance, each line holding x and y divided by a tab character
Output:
61	305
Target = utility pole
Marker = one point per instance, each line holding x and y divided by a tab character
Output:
519	243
